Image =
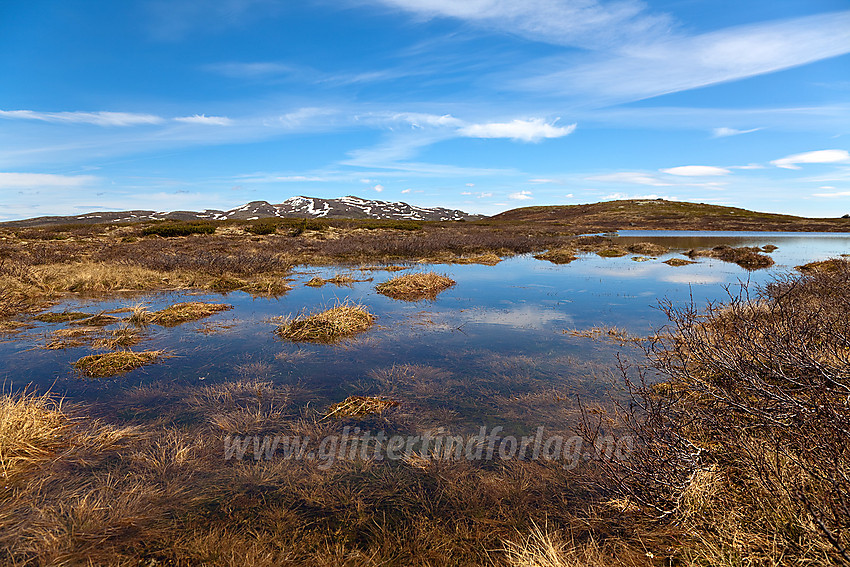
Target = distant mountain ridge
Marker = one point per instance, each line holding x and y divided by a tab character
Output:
349	207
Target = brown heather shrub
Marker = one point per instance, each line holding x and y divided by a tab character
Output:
741	437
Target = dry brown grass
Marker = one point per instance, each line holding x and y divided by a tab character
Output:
113	363
614	334
678	262
343	320
359	406
647	248
831	265
415	287
612	252
123	337
180	313
488	259
747	258
32	427
338	280
558	255
63	317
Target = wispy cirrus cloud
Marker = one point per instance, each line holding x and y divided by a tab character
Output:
831	194
696	171
9	180
203	119
725	132
585	23
819	156
672	64
635	177
101	118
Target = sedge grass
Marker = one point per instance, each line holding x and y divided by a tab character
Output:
113	363
359	406
32	427
414	287
331	325
558	255
176	314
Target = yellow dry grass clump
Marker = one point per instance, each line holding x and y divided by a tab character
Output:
32	427
343	320
488	259
414	287
177	314
359	406
678	262
112	363
558	255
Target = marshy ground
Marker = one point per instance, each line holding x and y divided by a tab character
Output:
136	472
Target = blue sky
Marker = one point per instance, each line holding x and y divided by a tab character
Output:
482	105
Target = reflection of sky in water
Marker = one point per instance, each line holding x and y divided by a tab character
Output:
518	308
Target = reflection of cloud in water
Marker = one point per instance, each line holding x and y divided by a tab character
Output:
698	279
524	316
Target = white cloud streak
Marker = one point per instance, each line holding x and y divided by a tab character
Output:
96	118
696	171
673	64
44	180
726	132
205	120
819	156
532	130
521	196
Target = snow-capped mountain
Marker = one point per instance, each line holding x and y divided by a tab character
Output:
299	207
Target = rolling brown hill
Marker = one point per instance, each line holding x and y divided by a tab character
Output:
642	214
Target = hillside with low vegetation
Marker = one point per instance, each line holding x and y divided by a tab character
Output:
659	214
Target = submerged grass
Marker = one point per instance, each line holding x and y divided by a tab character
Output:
359	406
343	320
113	363
415	287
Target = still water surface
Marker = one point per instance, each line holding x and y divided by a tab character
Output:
496	335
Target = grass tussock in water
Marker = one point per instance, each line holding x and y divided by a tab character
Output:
113	363
612	252
338	280
184	312
415	287
63	317
359	406
679	262
558	255
647	248
488	259
331	325
746	257
828	266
